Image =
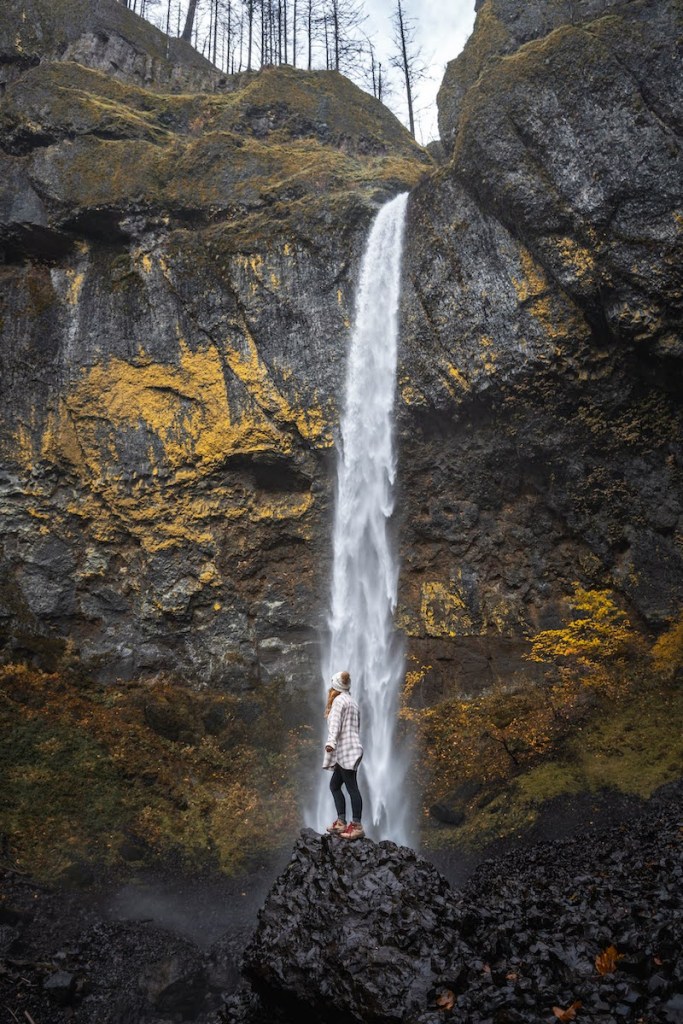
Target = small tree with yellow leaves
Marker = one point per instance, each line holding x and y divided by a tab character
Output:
598	639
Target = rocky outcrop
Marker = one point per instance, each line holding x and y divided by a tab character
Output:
178	285
105	36
541	426
372	933
177	288
359	931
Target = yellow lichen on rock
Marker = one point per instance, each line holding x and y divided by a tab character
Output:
488	354
185	407
443	610
253	266
247	365
409	393
290	506
59	442
557	316
458	377
412	680
143	260
22	449
191	427
75	280
576	257
534	282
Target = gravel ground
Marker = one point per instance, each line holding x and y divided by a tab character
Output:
595	919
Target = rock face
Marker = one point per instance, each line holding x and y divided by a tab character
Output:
541	420
176	294
105	36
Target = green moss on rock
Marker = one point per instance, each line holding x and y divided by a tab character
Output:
629	745
180	773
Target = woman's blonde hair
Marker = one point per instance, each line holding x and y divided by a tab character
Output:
331	694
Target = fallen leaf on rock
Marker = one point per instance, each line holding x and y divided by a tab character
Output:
606	962
569	1013
446	1000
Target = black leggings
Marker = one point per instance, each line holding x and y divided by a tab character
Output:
346	777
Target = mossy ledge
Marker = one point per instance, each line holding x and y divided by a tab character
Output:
119	778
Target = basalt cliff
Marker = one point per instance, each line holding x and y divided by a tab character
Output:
180	253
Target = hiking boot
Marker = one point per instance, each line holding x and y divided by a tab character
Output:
337	827
353	831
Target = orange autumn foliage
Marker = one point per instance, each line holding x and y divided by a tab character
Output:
606	961
569	1013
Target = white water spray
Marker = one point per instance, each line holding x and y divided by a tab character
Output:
365	574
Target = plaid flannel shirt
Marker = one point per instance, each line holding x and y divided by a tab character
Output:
343	727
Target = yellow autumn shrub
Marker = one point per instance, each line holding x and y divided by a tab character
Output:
600	632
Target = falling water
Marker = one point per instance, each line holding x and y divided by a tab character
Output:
365	575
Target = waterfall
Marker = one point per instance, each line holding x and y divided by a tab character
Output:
362	639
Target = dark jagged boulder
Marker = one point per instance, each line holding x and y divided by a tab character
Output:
591	924
361	932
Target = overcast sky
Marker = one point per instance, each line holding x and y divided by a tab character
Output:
442	28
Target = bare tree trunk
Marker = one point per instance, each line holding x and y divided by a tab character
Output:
189	21
335	24
294	34
406	66
310	33
250	20
215	33
227	37
373	69
279	31
284	33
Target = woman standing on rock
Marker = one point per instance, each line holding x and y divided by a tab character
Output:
343	753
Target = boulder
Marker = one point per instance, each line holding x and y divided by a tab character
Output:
60	987
360	931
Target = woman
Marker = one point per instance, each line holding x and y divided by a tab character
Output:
343	752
